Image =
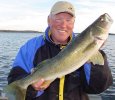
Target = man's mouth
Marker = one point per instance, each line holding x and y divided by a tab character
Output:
62	31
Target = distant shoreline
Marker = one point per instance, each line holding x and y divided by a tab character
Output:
111	33
23	31
32	31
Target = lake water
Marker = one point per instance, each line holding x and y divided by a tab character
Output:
11	42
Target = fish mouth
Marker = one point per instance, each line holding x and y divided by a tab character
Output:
108	18
99	38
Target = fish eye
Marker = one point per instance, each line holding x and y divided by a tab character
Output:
102	19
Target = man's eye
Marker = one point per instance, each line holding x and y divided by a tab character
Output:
58	19
68	20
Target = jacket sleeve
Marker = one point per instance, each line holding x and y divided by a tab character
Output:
23	63
21	68
96	78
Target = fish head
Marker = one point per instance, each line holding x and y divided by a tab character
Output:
100	28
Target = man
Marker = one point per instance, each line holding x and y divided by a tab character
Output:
75	86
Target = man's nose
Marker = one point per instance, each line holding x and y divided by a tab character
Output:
64	23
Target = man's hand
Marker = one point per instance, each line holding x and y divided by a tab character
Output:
40	85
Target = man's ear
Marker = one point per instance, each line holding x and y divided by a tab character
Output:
48	20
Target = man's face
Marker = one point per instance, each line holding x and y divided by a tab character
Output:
61	27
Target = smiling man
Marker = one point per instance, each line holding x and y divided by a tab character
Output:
88	78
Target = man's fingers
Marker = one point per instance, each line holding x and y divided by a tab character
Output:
37	85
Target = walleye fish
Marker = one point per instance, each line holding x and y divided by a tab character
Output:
81	49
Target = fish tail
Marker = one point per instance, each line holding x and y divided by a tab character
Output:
14	92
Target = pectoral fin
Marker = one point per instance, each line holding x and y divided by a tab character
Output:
97	58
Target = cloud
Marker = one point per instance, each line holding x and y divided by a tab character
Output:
89	10
32	14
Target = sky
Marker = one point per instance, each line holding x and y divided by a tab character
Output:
32	14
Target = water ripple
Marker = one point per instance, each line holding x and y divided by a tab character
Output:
11	42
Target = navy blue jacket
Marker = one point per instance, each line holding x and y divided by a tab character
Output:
89	78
